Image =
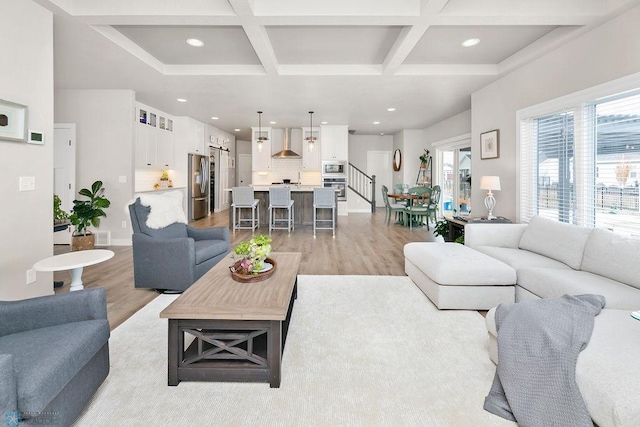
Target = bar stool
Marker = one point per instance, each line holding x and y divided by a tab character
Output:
280	198
243	198
324	198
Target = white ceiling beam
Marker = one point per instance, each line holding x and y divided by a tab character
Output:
476	20
158	20
540	47
214	70
430	7
257	35
448	70
119	39
330	70
402	47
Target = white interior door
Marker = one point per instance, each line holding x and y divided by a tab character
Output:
379	164
64	173
243	170
223	196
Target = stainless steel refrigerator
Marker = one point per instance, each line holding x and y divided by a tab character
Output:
198	186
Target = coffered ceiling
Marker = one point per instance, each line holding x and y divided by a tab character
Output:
348	60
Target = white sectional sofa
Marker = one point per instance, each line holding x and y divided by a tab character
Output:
552	259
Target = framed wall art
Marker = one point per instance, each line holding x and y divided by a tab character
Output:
490	144
13	121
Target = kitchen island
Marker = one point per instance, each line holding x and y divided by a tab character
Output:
302	196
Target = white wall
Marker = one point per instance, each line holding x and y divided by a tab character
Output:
454	126
26	77
606	53
411	144
359	145
105	148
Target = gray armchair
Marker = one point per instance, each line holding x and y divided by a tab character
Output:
174	257
54	354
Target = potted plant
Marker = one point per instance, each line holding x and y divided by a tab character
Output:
164	180
252	255
441	229
424	159
87	213
59	216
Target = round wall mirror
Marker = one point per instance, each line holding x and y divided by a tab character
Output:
397	160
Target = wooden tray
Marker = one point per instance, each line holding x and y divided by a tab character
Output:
258	277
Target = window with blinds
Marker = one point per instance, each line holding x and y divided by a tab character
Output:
581	165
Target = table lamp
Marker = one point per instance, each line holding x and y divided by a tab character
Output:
490	183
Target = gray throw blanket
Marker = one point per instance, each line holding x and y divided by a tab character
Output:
538	346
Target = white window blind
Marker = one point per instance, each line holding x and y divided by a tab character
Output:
581	165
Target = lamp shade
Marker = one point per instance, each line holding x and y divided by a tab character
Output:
490	183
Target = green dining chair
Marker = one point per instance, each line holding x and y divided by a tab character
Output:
391	207
432	207
417	211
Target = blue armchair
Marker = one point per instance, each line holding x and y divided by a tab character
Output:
174	257
54	354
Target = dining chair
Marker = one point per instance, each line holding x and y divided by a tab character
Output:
434	201
391	207
243	198
419	208
397	189
280	198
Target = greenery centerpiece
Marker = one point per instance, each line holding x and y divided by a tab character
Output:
87	213
252	255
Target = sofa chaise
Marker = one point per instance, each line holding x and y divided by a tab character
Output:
54	354
552	259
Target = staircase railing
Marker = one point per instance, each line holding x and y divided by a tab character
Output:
363	185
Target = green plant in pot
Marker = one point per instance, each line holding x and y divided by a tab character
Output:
87	213
59	216
441	229
424	159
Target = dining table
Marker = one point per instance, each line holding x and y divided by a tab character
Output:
409	197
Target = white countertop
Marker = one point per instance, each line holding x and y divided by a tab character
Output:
294	188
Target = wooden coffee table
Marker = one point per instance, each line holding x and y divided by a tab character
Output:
232	331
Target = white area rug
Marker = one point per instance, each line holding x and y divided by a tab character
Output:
361	351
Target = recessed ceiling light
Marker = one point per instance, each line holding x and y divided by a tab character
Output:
237	130
273	123
324	123
195	42
470	42
381	133
181	100
376	123
214	118
391	109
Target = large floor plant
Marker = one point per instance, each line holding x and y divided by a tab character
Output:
88	213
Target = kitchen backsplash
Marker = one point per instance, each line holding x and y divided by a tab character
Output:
287	169
147	178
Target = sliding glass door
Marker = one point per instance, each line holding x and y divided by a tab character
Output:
454	178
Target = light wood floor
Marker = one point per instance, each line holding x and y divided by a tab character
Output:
363	245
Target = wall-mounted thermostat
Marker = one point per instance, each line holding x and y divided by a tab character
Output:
35	137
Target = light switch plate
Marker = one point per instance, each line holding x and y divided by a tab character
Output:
27	183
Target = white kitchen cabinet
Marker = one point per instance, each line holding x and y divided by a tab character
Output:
154	139
311	152
196	137
165	150
146	147
261	150
334	142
